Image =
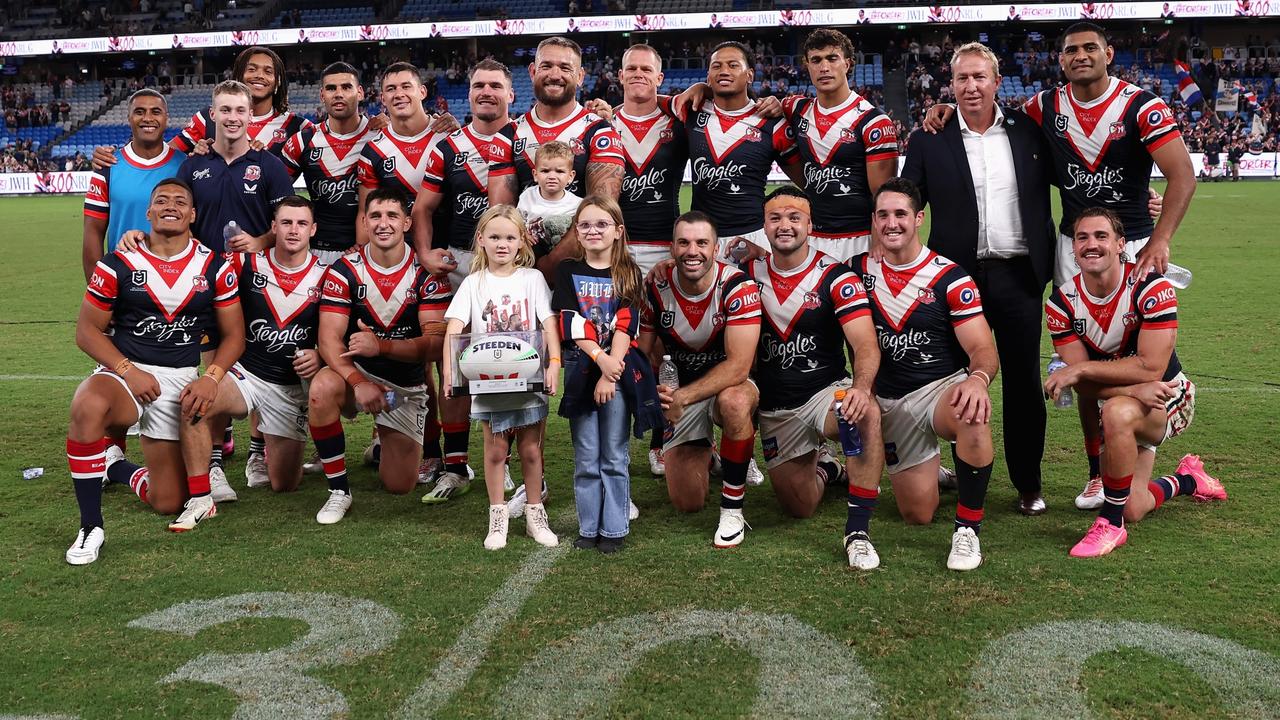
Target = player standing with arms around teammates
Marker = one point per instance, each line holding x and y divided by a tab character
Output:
937	359
160	298
375	313
504	293
812	306
707	315
119	197
1117	335
279	290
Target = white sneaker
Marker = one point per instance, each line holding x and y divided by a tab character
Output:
508	485
754	475
450	485
536	526
966	551
1092	497
255	472
195	510
825	456
732	530
114	455
947	479
429	470
335	508
633	512
497	537
657	465
313	466
219	489
515	506
85	549
862	554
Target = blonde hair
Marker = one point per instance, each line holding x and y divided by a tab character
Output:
627	286
524	253
977	48
554	150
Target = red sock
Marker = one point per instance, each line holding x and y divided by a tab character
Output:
198	485
139	482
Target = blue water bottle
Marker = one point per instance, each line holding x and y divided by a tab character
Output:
850	438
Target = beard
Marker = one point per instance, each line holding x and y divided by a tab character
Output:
547	95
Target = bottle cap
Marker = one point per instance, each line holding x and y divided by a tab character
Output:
840	394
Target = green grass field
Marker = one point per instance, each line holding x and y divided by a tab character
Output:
399	612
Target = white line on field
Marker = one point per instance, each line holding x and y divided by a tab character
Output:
38	378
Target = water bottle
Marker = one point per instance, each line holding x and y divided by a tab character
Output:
739	251
1064	398
1178	276
230	230
393	400
850	438
667	374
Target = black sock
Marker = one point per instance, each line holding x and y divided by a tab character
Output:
655	439
257	446
215	456
456	436
971	484
121	471
89	498
862	502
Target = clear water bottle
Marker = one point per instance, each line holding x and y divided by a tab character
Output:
230	230
667	374
850	438
739	251
392	399
1178	276
1064	398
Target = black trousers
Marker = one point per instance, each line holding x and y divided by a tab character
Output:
1013	303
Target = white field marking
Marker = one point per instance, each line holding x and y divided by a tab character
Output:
460	662
803	673
1035	673
40	378
39	717
271	684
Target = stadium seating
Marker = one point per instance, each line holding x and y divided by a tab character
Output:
415	10
85	99
112	128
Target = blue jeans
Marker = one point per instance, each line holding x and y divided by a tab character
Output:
601	475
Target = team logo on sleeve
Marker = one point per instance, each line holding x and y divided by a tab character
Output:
603	142
873	136
966	296
139	277
251	173
1155	117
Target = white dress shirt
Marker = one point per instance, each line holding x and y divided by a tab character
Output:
995	187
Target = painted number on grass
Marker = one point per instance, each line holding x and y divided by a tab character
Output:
271	684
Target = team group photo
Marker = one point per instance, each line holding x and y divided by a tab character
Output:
783	362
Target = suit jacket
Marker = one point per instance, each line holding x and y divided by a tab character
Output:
939	166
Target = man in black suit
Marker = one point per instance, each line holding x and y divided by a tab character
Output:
986	179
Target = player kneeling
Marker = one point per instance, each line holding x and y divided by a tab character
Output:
373	309
159	298
929	321
279	292
1117	335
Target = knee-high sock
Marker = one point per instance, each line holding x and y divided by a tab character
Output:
862	502
431	439
331	443
1093	449
971	484
735	455
87	462
1171	486
1116	492
456	436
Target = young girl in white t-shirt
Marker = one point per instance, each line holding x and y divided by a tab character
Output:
504	293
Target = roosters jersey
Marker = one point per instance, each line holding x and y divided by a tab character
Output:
161	308
692	328
121	193
281	312
916	309
387	300
458	169
656	148
591	138
327	162
834	146
731	154
801	338
396	161
1109	327
1102	149
273	130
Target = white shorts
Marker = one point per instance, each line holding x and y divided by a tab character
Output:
1065	267
907	423
841	247
159	419
282	409
329	257
755	237
410	416
462	269
697	422
790	433
1181	409
647	255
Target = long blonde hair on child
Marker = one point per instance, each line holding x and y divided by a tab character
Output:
524	252
627	281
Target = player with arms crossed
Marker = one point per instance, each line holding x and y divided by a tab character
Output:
1117	333
374	308
812	306
937	359
160	298
707	315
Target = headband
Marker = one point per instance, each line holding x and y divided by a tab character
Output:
795	202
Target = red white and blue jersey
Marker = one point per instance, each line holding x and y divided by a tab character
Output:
916	309
458	170
1109	327
281	312
692	328
327	162
121	193
591	138
835	145
388	301
656	149
396	161
1102	149
272	130
802	343
731	154
160	309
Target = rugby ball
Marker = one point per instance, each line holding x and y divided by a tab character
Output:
499	357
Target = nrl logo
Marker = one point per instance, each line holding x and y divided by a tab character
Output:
259	280
139	277
1060	123
389	165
